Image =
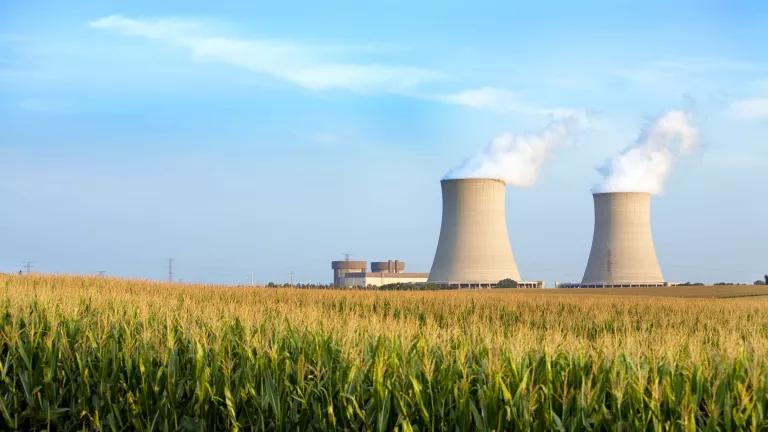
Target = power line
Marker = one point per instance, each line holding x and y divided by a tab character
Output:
170	269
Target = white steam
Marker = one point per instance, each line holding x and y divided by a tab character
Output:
644	166
516	159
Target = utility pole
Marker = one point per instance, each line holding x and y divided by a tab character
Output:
252	279
28	267
170	269
290	274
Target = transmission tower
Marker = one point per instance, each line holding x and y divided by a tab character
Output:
170	269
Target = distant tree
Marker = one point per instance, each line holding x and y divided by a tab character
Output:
507	283
760	282
408	286
766	279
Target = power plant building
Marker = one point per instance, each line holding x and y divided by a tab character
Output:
473	250
342	268
351	274
622	253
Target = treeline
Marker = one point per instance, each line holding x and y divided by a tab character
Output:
398	286
409	286
402	286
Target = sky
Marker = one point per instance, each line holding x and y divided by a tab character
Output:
268	138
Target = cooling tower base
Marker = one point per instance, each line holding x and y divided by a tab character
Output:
614	285
479	285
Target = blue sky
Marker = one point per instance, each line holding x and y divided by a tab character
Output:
272	138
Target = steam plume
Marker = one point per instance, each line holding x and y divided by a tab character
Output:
644	166
516	159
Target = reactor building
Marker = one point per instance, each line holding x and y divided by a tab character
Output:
473	250
350	274
622	253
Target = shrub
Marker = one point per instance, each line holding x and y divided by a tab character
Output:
507	283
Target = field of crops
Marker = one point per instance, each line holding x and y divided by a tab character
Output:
98	353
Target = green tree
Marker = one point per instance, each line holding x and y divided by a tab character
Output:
507	283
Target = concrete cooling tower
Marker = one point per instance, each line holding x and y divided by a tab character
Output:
622	246
473	249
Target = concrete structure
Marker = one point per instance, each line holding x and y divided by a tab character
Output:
382	273
382	278
391	266
473	249
341	268
530	284
622	253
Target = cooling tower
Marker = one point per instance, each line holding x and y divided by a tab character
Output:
473	248
622	246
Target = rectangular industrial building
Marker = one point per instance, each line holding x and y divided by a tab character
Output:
364	279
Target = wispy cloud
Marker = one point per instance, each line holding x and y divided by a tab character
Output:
684	69
311	67
317	67
709	64
500	100
42	105
750	109
322	137
760	85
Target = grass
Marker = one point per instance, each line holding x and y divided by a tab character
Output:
98	353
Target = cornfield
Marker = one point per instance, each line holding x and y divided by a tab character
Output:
109	354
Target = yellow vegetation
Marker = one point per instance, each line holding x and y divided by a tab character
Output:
490	333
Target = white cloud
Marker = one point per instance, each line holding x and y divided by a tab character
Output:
500	100
315	67
750	109
307	66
